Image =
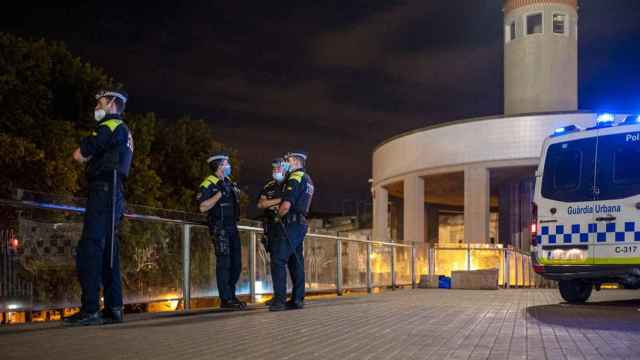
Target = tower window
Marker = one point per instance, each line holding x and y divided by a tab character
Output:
534	24
510	32
560	24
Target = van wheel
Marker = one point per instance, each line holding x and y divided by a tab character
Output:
575	291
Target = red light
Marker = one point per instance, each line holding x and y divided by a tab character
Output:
14	243
538	269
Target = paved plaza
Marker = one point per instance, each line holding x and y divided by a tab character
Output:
403	324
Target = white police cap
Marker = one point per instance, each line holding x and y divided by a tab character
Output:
111	93
301	154
218	157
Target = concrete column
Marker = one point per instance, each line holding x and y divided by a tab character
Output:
380	214
476	205
414	213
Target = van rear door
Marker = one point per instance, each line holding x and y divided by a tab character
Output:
566	215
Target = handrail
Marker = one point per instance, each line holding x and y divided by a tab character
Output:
153	218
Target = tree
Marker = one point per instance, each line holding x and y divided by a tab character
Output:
180	154
46	96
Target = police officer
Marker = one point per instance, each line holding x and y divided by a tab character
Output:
219	197
287	251
107	153
270	199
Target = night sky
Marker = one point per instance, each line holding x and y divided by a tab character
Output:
332	77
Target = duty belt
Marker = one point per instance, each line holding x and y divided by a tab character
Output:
295	219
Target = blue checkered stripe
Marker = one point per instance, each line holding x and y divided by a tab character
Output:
579	233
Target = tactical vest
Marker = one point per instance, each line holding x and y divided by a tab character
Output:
117	155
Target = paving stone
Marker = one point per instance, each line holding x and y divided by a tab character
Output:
405	324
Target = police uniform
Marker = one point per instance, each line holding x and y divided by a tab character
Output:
110	149
222	220
271	190
287	252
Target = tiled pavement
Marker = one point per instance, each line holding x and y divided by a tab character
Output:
404	324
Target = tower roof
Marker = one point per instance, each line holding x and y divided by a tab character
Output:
514	4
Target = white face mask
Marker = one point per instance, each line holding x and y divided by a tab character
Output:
99	114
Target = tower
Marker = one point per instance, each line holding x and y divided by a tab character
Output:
540	56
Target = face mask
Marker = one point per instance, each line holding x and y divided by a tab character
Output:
99	114
278	176
286	167
226	170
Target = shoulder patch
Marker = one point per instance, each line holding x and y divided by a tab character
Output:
111	124
297	176
210	180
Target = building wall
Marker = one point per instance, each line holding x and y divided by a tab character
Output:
541	70
484	140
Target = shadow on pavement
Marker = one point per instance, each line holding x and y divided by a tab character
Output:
623	315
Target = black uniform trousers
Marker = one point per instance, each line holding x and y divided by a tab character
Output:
288	254
93	252
229	266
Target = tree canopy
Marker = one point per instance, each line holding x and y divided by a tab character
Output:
47	101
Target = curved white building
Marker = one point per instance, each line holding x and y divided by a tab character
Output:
480	171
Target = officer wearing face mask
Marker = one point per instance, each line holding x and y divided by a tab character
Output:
269	200
219	197
287	252
108	154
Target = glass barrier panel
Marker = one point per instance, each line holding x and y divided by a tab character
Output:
403	266
354	264
320	263
381	265
484	259
448	260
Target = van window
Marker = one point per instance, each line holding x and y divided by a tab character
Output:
568	171
618	166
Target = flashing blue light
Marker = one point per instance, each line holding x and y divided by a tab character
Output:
632	119
605	118
565	130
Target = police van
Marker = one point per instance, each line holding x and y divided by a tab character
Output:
586	228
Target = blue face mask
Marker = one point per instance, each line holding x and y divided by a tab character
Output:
286	167
226	170
278	176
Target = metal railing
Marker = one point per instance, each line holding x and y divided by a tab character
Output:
381	264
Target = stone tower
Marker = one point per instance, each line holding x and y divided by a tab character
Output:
540	56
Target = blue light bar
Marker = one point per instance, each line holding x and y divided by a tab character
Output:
605	118
632	119
565	130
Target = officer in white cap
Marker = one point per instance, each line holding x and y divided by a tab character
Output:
219	197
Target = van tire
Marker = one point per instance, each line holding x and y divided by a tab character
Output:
575	291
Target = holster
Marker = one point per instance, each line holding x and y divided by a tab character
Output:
221	243
266	230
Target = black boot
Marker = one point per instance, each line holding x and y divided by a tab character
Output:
241	304
230	304
277	306
295	305
84	319
112	315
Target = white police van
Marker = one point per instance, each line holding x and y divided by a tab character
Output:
587	207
